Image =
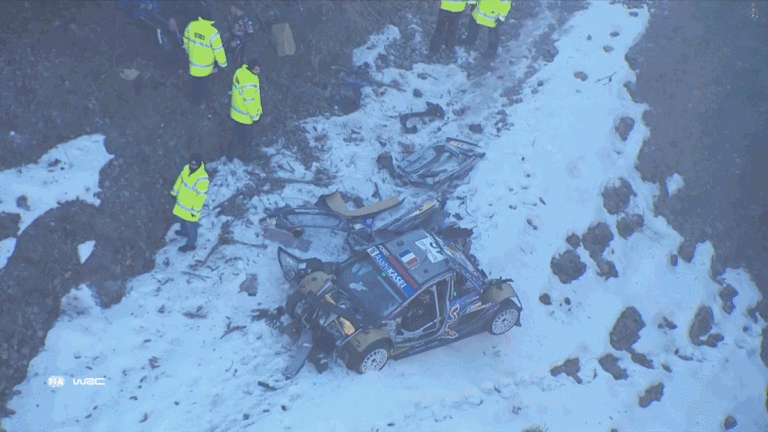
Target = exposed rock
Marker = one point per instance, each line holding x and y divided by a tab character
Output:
475	128
673	260
666	368
686	249
682	356
614	34
727	293
626	330
567	266
250	285
701	325
652	393
573	240
624	127
641	359
569	367
610	364
545	300
580	76
596	239
9	225
608	48
22	202
764	346
628	225
633	14
713	339
110	293
616	198
606	269
417	93
567	301
730	423
666	323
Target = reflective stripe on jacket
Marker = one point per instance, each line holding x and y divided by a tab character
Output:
246	96
488	11
455	5
190	191
203	43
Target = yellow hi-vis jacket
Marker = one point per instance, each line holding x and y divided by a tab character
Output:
190	191
246	96
455	5
488	11
202	43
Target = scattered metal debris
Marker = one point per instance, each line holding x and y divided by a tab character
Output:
433	111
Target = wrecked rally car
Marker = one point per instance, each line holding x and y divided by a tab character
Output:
392	300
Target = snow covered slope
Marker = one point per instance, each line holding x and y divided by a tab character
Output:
182	351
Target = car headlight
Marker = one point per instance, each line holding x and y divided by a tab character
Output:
289	264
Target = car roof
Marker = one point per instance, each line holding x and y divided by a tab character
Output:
419	256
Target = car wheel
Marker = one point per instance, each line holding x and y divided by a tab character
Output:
372	358
504	319
291	302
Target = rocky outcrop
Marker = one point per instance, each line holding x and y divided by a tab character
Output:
616	198
569	367
610	364
727	294
9	225
628	225
702	325
626	330
652	394
567	266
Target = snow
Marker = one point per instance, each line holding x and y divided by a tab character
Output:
165	370
84	250
674	183
69	171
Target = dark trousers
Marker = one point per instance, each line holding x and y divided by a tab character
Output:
473	30
239	141
189	230
445	30
197	89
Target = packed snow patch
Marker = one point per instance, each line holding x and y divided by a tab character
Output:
674	183
84	250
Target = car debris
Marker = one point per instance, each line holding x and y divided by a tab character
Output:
363	226
436	167
433	111
391	300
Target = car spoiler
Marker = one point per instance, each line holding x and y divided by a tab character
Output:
319	302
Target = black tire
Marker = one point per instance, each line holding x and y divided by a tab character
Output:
504	318
372	358
291	302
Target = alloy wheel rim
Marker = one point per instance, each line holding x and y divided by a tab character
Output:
375	360
505	321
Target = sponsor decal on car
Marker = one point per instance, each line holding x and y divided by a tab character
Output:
409	259
432	250
380	256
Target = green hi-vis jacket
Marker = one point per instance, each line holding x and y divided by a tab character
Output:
246	96
190	191
488	11
203	43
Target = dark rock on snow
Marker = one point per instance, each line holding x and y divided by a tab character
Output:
673	260
628	225
573	241
475	128
417	93
616	198
652	393
701	325
567	266
666	368
596	239
608	48
626	330
764	347
545	300
610	364
730	423
666	323
606	269
624	127
686	249
569	367
9	225
580	76
641	359
727	293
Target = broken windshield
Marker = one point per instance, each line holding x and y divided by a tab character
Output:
369	287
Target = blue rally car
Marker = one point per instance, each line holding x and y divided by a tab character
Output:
392	300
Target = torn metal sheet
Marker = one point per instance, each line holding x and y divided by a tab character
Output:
439	165
433	111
